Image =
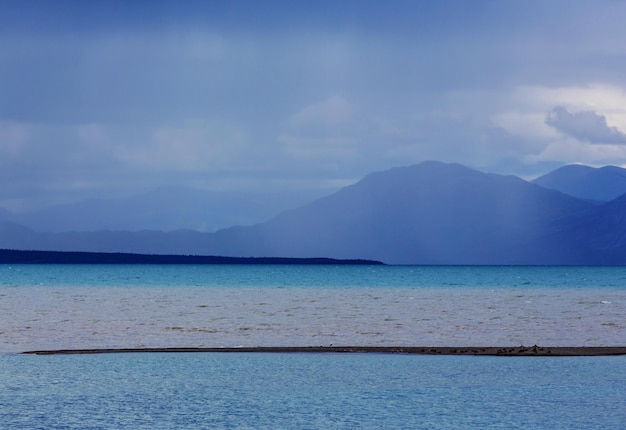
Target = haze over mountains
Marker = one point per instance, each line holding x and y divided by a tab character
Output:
166	208
430	213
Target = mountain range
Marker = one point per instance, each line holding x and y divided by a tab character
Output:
430	213
165	208
595	184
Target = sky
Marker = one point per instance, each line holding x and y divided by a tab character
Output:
99	99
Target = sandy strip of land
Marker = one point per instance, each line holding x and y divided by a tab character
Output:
533	351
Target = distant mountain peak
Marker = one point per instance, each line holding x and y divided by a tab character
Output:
584	182
426	213
432	169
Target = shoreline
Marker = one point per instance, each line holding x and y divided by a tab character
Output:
18	256
507	351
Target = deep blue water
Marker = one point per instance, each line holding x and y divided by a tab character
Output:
233	390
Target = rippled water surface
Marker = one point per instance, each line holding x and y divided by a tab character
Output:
237	390
52	307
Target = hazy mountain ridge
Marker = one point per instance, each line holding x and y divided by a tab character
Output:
598	237
430	213
166	209
601	184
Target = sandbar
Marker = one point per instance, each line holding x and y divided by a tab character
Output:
524	351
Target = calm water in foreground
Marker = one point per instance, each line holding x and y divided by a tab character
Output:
49	307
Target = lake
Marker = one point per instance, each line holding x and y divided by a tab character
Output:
51	307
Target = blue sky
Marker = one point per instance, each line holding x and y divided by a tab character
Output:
106	98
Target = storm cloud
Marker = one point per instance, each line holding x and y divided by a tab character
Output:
585	125
109	97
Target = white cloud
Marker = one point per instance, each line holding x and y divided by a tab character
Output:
91	134
194	146
318	147
584	97
587	126
572	151
531	125
322	130
564	124
328	114
573	124
606	100
13	136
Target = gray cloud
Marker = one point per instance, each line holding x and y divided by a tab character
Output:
587	126
266	96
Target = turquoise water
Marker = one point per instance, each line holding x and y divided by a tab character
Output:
312	276
50	307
